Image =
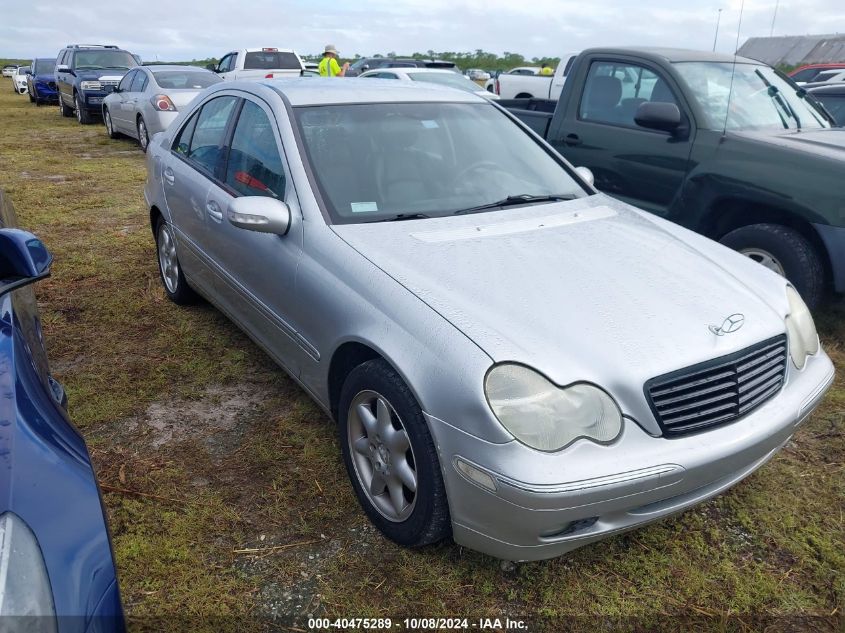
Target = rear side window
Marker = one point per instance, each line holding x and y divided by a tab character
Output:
255	166
271	60
207	138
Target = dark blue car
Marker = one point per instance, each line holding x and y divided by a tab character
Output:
57	571
41	84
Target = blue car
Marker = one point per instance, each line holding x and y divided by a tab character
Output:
41	84
57	571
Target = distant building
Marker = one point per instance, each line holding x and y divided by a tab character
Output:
795	50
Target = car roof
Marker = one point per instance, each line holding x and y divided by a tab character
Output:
414	69
313	91
155	67
661	54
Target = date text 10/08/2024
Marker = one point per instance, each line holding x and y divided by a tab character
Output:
416	624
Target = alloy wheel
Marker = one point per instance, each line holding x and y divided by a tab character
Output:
143	139
382	455
167	260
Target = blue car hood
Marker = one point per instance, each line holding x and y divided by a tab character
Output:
46	479
45	77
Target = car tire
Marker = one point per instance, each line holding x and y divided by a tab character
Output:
82	115
170	271
143	135
378	418
785	251
64	110
109	125
31	98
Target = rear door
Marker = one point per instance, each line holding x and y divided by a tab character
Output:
643	167
194	162
256	271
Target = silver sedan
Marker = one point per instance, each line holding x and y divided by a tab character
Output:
149	98
513	359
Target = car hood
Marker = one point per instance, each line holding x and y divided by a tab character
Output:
590	289
824	143
45	77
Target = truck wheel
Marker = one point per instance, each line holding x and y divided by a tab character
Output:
784	251
82	115
63	109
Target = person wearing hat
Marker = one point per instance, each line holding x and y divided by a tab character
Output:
329	66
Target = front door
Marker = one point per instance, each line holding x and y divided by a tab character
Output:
187	173
117	111
256	271
643	167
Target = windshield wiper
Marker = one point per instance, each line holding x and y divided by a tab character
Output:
402	216
510	201
775	94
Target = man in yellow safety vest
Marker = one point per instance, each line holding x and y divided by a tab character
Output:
329	66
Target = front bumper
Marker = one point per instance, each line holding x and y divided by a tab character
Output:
547	504
45	92
93	100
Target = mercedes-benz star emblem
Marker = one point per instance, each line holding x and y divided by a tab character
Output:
730	325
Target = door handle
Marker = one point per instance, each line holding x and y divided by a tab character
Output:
169	176
572	140
214	211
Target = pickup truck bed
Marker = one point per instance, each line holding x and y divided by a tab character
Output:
535	113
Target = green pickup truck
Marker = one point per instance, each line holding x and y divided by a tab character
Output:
725	146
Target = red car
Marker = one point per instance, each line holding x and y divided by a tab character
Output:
805	74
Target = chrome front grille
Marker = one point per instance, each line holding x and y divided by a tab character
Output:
718	391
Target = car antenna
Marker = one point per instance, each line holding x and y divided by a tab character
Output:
733	70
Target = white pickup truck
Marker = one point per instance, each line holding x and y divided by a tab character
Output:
519	85
259	63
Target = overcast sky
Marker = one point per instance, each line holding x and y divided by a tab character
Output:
193	29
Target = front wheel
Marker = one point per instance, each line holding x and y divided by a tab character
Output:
109	125
785	251
175	285
390	456
143	134
31	98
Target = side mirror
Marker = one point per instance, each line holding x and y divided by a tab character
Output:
365	68
658	116
259	213
211	67
62	68
586	174
23	259
27	72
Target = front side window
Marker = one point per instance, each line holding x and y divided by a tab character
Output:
127	80
748	97
614	91
139	83
182	142
103	59
376	161
254	166
205	148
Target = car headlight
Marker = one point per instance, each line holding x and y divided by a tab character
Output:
24	585
803	338
544	416
91	85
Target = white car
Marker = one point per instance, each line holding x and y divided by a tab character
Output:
259	63
430	75
19	79
9	70
476	74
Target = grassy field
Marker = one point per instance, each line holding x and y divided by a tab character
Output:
227	497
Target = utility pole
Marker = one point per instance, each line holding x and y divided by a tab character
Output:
774	17
716	37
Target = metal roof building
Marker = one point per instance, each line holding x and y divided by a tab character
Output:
795	50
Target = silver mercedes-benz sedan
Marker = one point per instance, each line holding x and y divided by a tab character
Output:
148	98
512	358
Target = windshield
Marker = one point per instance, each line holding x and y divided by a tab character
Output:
835	104
453	80
45	66
759	99
101	59
378	160
187	79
